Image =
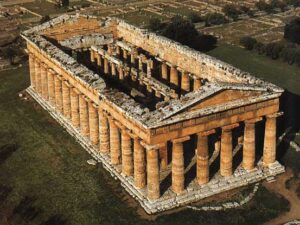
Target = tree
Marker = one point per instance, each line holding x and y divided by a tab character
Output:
248	42
45	19
155	24
180	30
292	31
10	54
231	11
62	3
184	32
260	48
195	18
277	49
263	6
214	19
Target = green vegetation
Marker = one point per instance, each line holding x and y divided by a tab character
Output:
45	179
184	32
277	72
292	31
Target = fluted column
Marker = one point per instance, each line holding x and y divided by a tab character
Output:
32	70
164	71
269	154
92	54
202	157
249	145
226	151
37	71
121	73
51	86
115	145
93	123
163	153
174	76
127	157
178	165
66	99
185	82
103	132
125	54
75	108
58	93
153	187
139	164
84	116
44	82
197	83
113	69
106	66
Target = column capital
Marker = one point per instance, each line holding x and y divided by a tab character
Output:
152	147
275	115
76	91
230	127
207	133
252	121
180	140
67	83
51	71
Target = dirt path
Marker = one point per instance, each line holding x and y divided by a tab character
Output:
278	187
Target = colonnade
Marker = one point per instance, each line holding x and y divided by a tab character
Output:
138	159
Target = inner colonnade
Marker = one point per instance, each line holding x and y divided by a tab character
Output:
145	162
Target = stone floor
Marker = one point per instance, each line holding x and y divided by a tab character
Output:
168	200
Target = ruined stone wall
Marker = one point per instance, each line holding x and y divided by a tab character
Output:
190	60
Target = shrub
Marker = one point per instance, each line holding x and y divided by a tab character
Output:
292	31
248	42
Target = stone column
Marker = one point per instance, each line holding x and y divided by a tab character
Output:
58	93
163	153
249	145
93	123
226	151
202	157
99	60
37	71
139	164
106	66
44	82
75	108
164	71
121	73
269	154
197	83
178	165
125	54
103	132
32	70
127	159
113	69
84	116
174	76
132	58
153	187
115	147
92	56
185	81
51	88
66	99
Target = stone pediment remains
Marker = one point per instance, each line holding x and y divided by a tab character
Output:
129	95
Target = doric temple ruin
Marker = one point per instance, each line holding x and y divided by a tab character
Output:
172	124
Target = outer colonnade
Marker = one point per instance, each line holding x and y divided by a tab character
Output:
138	159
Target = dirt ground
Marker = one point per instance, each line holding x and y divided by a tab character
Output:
290	194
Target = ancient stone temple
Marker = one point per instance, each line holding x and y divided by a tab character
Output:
172	124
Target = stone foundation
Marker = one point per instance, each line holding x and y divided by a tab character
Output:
168	200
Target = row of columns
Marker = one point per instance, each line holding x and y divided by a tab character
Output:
128	150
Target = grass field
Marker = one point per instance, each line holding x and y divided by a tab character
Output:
277	72
45	180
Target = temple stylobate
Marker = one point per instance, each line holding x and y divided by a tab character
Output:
172	124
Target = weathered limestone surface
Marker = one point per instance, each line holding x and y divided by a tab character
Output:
146	97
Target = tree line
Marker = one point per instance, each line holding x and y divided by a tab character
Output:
288	51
